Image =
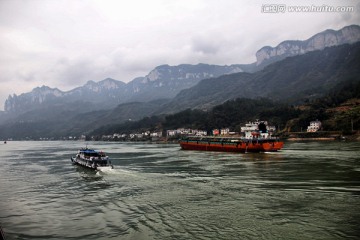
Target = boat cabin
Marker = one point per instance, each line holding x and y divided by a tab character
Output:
257	129
91	154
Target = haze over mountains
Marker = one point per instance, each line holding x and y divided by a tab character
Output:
163	82
292	71
167	81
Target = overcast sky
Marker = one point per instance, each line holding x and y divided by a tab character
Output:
65	43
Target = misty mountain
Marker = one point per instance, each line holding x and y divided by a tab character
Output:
106	93
167	81
163	82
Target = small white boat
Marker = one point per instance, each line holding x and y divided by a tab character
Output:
92	159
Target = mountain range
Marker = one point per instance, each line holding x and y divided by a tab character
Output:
293	71
163	82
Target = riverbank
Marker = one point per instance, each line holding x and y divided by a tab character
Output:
320	136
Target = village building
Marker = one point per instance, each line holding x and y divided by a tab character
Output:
225	131
314	126
258	128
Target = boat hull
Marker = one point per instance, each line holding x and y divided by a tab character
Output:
89	164
232	146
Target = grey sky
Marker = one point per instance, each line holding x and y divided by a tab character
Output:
64	43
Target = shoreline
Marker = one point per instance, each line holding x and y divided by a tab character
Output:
320	136
312	139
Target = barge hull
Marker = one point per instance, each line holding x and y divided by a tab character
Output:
242	147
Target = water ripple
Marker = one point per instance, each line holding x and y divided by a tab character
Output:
156	191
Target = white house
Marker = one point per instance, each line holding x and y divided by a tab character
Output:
225	131
314	126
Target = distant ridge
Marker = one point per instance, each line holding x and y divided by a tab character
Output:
100	92
163	82
328	38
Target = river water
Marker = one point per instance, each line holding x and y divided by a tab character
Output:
309	190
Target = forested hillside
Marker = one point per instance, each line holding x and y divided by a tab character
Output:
339	108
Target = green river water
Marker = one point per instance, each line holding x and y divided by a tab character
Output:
309	190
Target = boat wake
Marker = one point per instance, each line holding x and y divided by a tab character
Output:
104	170
114	171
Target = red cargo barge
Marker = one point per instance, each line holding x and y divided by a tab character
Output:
257	139
230	144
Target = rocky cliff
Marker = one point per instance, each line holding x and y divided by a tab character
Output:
328	38
27	100
166	81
